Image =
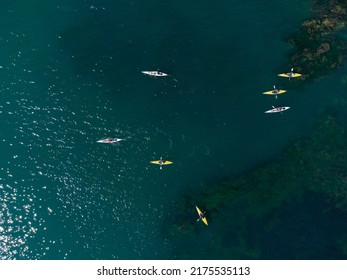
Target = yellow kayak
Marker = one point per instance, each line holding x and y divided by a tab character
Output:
273	92
290	75
161	162
199	212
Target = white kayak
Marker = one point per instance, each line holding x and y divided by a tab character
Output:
277	110
109	140
155	73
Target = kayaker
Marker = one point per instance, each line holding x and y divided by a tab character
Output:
202	215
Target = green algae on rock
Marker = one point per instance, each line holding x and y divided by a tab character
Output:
318	50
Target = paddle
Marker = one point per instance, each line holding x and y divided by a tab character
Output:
276	92
161	163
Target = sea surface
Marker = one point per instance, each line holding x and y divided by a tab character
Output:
71	75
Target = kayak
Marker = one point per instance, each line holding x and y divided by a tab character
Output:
200	212
155	73
290	75
277	110
161	162
109	140
273	92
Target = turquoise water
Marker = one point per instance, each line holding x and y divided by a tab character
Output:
71	74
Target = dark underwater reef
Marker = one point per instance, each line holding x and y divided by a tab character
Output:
319	46
295	208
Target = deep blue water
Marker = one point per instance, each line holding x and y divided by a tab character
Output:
71	75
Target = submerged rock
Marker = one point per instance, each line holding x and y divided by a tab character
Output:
291	209
318	50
